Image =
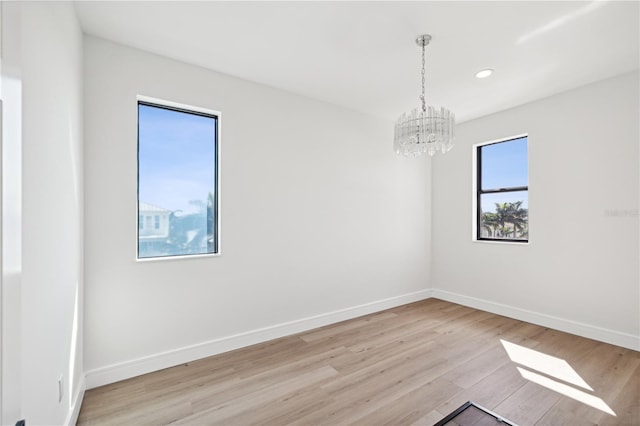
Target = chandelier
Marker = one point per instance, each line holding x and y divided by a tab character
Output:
425	129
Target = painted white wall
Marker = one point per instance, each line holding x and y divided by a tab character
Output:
52	213
318	213
1	216
10	82
580	270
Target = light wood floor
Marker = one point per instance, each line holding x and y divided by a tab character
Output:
409	365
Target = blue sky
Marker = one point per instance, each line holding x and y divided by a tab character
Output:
176	157
504	165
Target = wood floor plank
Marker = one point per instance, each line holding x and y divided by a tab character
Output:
223	413
344	327
469	373
286	409
627	404
412	364
421	400
613	367
488	392
219	393
429	419
528	404
360	400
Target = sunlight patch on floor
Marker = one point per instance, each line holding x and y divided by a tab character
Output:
547	364
553	368
567	390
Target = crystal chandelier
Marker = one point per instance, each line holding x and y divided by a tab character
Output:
425	129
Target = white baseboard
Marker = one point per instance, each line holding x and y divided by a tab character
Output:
74	410
574	327
136	367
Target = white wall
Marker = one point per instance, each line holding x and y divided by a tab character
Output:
11	94
52	214
580	271
318	215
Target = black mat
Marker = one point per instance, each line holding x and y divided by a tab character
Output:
471	414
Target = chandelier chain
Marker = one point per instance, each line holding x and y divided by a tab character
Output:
422	96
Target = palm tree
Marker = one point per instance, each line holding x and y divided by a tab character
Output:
489	221
502	218
512	214
518	217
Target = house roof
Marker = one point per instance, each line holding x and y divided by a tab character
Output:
146	207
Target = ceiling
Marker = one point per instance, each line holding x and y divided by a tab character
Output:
362	55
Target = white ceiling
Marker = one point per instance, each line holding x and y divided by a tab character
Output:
362	55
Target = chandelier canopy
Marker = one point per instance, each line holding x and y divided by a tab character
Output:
425	129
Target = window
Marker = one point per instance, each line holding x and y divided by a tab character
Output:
502	191
177	180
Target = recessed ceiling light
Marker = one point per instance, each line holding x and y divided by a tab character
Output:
484	73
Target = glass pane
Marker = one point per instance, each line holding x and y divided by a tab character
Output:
505	215
176	182
504	164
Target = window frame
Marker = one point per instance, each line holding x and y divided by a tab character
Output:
195	110
478	192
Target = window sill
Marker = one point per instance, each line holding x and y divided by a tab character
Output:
513	243
177	257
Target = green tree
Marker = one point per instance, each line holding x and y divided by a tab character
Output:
191	233
518	217
490	223
512	219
